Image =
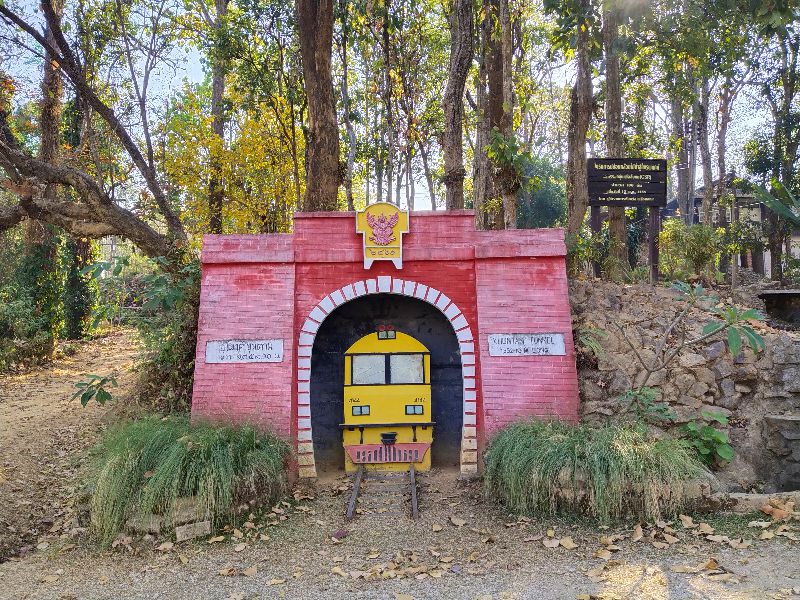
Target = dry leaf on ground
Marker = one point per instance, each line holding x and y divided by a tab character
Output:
568	543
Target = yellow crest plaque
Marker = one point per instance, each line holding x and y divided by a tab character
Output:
382	226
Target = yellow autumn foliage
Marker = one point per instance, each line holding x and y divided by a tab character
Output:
262	172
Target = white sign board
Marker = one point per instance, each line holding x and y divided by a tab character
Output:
244	351
526	344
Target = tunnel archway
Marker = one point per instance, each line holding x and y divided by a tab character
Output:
384	284
361	316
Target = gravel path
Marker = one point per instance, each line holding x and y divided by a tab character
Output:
461	547
490	556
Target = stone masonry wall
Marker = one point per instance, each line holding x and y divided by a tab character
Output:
759	393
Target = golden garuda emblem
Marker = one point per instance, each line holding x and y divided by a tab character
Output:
382	226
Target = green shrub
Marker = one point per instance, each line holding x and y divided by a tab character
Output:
710	443
142	467
606	472
701	247
167	323
24	336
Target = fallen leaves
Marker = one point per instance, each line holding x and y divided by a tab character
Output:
779	511
638	534
687	522
250	571
603	553
436	527
707	565
457	521
568	543
165	547
710	569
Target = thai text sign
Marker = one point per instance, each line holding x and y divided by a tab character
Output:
382	226
627	182
526	344
244	351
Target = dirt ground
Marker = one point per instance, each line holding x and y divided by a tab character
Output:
44	434
462	546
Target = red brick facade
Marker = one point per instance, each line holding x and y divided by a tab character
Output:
283	286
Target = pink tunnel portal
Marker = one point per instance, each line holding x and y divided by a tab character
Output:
503	292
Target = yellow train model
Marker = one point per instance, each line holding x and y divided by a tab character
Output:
387	403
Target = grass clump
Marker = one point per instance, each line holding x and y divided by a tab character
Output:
606	472
142	467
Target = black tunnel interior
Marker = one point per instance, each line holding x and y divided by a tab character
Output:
355	319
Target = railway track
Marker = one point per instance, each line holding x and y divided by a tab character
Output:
389	493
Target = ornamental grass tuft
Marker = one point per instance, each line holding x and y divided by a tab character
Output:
607	473
142	467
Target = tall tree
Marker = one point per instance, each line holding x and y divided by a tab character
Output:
315	23
97	211
580	114
216	23
346	102
500	104
615	143
462	24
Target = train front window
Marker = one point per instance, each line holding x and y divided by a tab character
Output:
369	369
407	368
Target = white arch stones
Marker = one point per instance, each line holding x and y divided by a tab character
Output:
386	285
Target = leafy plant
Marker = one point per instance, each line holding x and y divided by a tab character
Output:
142	467
589	340
643	404
94	387
781	201
671	260
709	442
507	152
676	336
701	245
608	472
167	323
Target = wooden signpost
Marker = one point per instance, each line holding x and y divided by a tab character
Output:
630	182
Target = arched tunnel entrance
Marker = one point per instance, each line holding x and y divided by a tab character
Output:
357	318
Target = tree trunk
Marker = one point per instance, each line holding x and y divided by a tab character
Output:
680	138
315	23
580	113
409	181
481	182
428	176
615	144
724	118
219	69
461	53
500	103
387	103
348	123
701	108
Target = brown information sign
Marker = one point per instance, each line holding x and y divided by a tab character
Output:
627	182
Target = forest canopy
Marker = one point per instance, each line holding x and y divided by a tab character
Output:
160	120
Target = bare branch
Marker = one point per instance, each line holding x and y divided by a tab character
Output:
70	66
